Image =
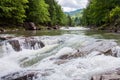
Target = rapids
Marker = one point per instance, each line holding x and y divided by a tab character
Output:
57	59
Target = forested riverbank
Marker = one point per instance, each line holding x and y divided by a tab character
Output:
28	14
48	14
102	15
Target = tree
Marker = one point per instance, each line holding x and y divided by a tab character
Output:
57	16
37	12
101	13
12	11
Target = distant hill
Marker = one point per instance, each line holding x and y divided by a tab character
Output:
76	13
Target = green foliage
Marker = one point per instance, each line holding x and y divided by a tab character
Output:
12	11
101	12
115	13
70	21
57	16
37	11
43	12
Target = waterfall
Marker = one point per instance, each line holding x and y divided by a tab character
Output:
22	43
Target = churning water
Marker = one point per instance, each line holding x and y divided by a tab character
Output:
48	58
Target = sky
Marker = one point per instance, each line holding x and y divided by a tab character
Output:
71	5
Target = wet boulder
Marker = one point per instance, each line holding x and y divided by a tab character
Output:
59	62
111	75
27	74
31	43
15	45
18	44
71	56
3	38
103	46
67	53
116	51
6	38
30	26
107	47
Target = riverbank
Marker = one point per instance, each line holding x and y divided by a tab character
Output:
22	28
54	28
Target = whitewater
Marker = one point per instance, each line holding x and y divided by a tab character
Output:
63	57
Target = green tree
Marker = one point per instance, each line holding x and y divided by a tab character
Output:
12	11
101	13
37	11
57	16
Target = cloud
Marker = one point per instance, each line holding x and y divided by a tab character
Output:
70	5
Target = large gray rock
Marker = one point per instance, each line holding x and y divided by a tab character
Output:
111	75
30	26
32	43
6	38
26	75
19	44
15	45
102	46
107	47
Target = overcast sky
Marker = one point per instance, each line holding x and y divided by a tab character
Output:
71	5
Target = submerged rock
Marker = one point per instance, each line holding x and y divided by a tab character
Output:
6	38
27	75
19	44
15	45
71	56
104	46
33	43
20	76
111	75
59	62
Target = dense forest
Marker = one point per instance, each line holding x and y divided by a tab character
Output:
102	14
40	12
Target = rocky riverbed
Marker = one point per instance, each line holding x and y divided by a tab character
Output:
60	57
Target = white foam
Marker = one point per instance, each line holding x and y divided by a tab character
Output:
74	28
11	63
7	66
78	68
116	51
64	51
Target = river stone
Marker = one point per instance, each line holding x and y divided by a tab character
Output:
23	43
6	38
30	26
15	45
104	46
111	75
71	56
19	76
116	51
59	62
33	43
27	74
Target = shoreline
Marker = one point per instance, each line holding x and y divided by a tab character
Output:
21	28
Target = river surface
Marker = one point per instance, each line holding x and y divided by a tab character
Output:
57	43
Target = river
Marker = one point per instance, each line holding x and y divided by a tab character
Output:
66	54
